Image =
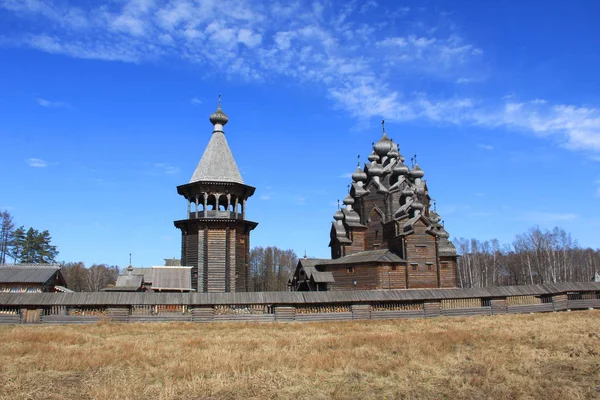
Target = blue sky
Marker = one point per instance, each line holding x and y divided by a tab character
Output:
104	111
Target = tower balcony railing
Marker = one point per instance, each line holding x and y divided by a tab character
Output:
216	214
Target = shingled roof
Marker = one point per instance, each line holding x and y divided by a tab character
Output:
217	163
318	276
27	273
368	256
172	278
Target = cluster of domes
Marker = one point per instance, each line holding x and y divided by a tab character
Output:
386	173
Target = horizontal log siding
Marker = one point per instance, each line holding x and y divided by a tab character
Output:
241	259
361	311
190	256
420	249
583	304
216	260
560	302
358	242
447	275
498	306
289	306
390	279
365	276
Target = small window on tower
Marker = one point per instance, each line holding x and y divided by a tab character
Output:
243	240
414	266
444	265
393	267
421	249
376	234
350	270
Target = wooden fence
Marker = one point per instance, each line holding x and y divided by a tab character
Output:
81	308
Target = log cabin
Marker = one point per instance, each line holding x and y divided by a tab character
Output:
388	235
32	278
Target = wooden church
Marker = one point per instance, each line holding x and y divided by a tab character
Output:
215	236
386	236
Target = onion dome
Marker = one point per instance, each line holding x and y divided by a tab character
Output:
400	168
359	175
349	200
373	156
417	172
443	234
339	215
375	169
393	153
408	192
219	117
417	205
434	217
383	146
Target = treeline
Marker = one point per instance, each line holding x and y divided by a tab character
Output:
24	245
92	279
270	268
534	257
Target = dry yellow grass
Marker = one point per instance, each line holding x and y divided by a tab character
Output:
539	356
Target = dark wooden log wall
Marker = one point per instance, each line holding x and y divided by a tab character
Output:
242	252
358	242
365	276
374	238
447	272
391	276
217	257
421	250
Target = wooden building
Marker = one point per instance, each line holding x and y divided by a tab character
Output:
170	277
128	281
215	235
31	278
387	235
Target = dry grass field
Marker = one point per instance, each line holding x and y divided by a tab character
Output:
538	356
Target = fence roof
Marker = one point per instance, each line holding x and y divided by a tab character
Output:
355	296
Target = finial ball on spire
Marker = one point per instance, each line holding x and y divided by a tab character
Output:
219	117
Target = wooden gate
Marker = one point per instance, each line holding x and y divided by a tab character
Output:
31	316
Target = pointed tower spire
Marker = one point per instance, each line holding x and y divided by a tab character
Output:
217	163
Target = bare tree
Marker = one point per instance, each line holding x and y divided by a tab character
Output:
100	276
534	257
270	268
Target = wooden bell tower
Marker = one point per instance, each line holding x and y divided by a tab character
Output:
215	236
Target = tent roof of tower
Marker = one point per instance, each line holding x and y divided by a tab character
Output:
217	163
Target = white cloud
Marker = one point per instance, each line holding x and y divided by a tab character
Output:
36	163
48	103
485	146
249	38
364	67
195	100
346	175
548	217
265	197
166	168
